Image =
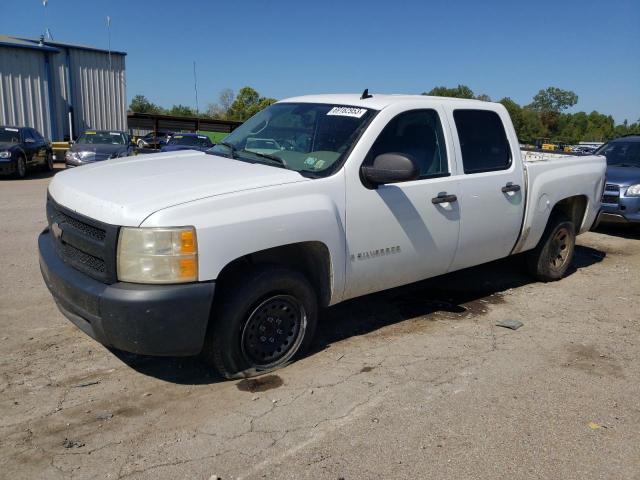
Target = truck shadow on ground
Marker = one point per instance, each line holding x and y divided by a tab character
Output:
631	232
466	291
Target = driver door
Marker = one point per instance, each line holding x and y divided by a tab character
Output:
401	233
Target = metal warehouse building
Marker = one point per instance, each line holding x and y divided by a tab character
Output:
61	89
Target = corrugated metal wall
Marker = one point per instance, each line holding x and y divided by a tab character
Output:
97	86
60	94
99	90
24	95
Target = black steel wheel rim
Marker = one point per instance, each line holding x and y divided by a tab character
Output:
22	167
274	331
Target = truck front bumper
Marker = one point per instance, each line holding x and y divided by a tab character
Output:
144	319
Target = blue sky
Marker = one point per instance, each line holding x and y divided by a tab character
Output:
284	48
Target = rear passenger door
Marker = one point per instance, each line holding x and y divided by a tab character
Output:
30	146
491	195
41	146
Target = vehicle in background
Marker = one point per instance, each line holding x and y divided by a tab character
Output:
188	141
313	201
154	140
583	149
98	145
22	148
621	198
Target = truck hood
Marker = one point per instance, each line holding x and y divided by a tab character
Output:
623	176
125	191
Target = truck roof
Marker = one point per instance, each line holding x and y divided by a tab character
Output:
376	101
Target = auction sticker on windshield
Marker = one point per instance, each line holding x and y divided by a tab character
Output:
347	111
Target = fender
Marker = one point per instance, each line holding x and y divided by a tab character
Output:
251	221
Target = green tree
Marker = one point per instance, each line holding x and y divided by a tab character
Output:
461	91
515	112
181	111
220	110
140	104
247	103
484	97
549	104
531	127
553	99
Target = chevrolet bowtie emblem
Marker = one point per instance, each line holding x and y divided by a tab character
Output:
56	230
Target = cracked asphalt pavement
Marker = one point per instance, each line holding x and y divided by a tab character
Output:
417	382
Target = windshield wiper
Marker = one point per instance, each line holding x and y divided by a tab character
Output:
268	156
232	149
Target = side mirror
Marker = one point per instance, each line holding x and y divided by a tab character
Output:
390	168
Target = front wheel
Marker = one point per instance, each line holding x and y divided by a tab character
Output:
261	322
48	163
21	168
552	256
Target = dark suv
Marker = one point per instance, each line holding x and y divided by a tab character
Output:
22	148
621	199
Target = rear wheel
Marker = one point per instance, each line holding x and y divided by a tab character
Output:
552	256
21	168
261	322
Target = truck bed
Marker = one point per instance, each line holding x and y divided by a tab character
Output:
551	177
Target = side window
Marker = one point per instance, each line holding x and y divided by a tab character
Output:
37	136
483	141
26	134
417	134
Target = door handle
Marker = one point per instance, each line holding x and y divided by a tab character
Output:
444	198
510	187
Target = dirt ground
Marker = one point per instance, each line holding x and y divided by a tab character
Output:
417	382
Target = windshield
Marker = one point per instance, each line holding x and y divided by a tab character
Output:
200	140
109	138
305	137
9	135
621	153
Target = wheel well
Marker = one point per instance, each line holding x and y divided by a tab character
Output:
573	208
310	258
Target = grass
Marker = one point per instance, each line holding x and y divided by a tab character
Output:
214	136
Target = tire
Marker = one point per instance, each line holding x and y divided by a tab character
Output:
243	338
140	144
21	168
48	163
552	256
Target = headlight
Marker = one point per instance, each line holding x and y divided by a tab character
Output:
158	255
634	190
5	154
69	155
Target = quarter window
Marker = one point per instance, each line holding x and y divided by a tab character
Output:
417	134
483	141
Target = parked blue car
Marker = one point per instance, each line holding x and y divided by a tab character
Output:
621	198
22	148
188	141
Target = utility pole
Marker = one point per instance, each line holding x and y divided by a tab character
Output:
47	32
109	38
195	87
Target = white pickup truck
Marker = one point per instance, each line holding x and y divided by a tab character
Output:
313	201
